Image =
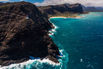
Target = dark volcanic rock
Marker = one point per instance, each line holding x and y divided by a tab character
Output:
24	33
60	9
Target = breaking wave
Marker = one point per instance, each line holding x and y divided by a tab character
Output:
41	64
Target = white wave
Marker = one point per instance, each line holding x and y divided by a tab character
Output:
61	53
81	60
64	59
50	34
29	63
49	61
52	31
55	27
40	64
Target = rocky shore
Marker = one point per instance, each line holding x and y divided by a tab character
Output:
23	33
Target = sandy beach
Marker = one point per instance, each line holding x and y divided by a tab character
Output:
66	17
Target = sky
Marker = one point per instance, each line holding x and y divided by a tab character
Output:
98	3
32	1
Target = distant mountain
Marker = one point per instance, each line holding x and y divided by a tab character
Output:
93	9
61	9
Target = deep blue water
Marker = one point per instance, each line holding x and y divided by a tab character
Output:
82	39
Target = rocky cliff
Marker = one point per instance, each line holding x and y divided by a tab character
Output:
24	33
61	9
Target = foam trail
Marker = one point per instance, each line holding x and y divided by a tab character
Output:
63	54
64	59
28	64
52	31
40	64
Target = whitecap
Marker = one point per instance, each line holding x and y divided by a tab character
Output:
28	64
40	64
81	60
52	31
54	26
51	34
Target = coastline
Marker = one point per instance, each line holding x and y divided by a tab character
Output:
53	30
66	17
63	58
45	60
37	44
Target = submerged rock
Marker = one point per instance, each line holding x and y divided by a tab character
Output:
24	33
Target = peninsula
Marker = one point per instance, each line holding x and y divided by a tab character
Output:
24	31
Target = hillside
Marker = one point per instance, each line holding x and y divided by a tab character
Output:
61	10
24	33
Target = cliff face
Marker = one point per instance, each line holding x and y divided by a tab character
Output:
24	33
61	9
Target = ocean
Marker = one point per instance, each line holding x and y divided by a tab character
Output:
80	41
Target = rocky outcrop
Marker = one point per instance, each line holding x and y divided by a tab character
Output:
61	9
24	33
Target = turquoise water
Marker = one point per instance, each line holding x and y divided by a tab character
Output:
82	39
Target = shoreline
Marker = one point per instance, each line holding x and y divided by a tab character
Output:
45	60
53	30
66	17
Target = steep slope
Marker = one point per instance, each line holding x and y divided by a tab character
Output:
61	9
24	33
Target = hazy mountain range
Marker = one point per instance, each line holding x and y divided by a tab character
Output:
93	9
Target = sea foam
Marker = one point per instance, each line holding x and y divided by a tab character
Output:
53	31
40	64
63	54
29	64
